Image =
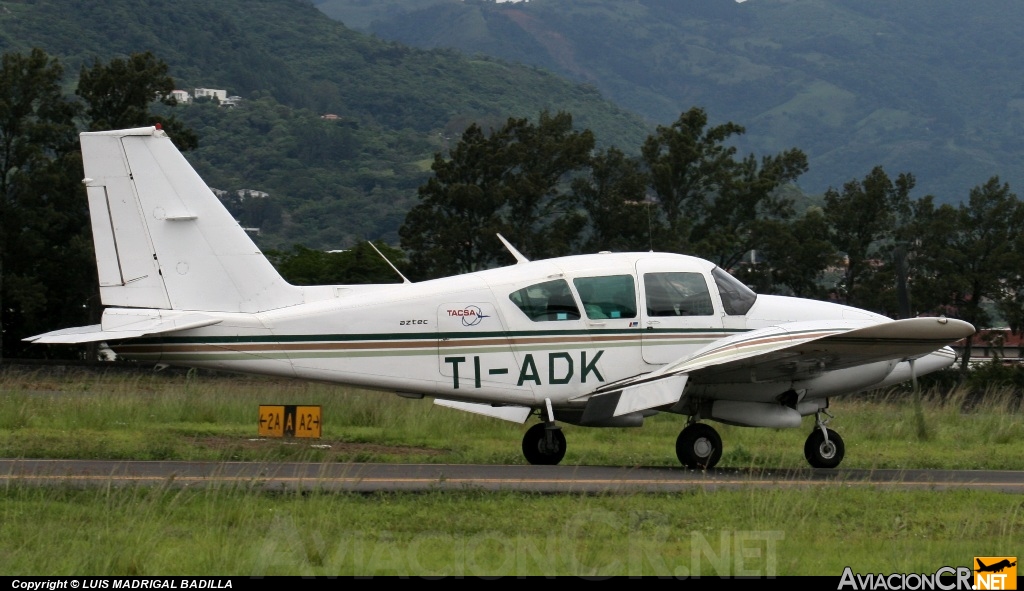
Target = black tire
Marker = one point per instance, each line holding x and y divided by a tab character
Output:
820	454
699	447
538	450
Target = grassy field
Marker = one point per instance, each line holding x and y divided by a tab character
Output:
178	416
755	532
233	530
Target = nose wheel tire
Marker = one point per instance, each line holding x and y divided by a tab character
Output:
821	453
699	447
543	446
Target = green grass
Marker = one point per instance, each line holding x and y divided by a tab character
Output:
196	416
232	529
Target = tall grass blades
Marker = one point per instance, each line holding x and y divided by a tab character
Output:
245	531
204	416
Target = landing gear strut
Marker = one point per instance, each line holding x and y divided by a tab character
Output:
699	446
544	443
824	447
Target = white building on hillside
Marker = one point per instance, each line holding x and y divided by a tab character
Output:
182	96
216	93
243	194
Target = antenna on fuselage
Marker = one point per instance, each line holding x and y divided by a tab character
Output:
374	247
518	255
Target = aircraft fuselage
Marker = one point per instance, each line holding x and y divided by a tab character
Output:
474	338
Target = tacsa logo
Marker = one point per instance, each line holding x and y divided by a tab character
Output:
995	572
470	315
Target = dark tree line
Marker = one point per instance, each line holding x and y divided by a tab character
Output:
44	245
509	181
47	268
870	243
548	190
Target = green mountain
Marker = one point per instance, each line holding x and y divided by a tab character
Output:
332	181
929	87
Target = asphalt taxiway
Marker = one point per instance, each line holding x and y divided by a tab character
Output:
371	477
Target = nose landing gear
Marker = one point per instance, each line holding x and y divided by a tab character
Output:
824	447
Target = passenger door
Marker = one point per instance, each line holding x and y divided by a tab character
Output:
678	312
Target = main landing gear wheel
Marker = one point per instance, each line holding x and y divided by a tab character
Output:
543	446
822	451
699	447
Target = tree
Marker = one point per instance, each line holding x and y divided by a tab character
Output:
540	158
46	274
452	229
358	265
864	223
119	95
749	209
968	257
688	164
614	199
513	181
792	257
714	205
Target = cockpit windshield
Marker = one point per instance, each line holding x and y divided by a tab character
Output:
737	298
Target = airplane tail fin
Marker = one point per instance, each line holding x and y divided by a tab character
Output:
163	240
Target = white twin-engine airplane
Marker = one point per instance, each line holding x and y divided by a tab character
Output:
600	340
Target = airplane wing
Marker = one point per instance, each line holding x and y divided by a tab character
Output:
801	350
790	351
133	328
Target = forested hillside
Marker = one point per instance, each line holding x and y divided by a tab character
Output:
331	183
929	87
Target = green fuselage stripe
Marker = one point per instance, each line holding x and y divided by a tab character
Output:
285	347
342	338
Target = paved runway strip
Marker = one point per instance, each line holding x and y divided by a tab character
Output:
422	477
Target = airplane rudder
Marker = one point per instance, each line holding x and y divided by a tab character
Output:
164	240
129	273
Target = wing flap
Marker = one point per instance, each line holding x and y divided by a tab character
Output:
515	414
634	398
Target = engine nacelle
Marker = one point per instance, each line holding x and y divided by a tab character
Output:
752	414
846	381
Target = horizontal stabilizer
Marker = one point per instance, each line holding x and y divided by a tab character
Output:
515	414
139	328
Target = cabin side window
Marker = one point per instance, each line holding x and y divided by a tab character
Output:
546	301
607	297
677	294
